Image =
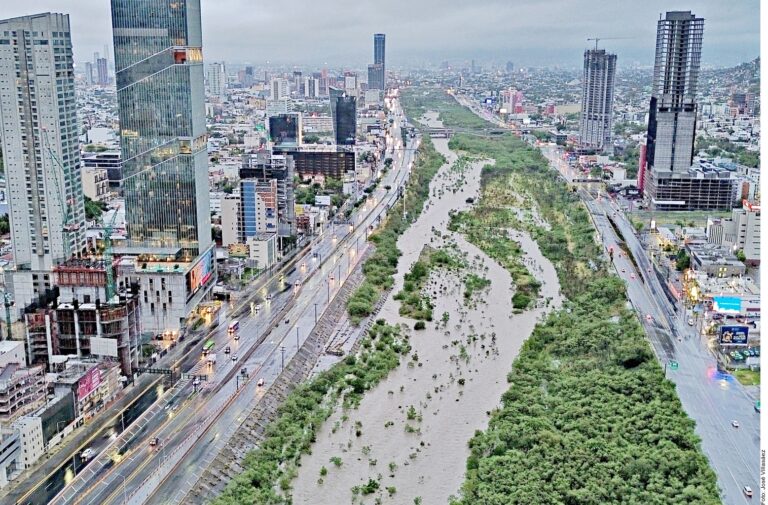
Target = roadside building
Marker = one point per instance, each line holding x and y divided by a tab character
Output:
715	261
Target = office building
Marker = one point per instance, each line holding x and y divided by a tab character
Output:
318	159
379	40
164	153
376	76
597	100
249	78
285	129
217	79
109	161
10	456
345	120
41	151
672	116
740	232
258	208
101	72
312	87
282	106
95	183
279	89
264	166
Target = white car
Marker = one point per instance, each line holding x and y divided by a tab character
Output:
735	423
690	322
261	382
748	491
87	453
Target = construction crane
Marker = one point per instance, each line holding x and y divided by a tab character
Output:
8	300
108	227
68	225
598	39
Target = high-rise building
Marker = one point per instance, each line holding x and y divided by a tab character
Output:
311	87
164	153
89	73
265	166
279	88
39	130
345	120
379	40
597	99
101	71
376	76
217	78
162	123
249	76
672	123
670	182
298	82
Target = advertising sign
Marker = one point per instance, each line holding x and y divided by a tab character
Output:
238	250
104	346
200	273
323	200
88	383
734	335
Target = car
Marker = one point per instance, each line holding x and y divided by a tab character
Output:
154	441
87	453
257	307
623	271
631	276
648	317
227	350
234	357
748	491
196	382
261	382
287	321
269	296
237	336
690	322
735	423
168	405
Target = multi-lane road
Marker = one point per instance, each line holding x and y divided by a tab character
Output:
194	421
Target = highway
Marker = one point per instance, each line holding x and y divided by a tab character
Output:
200	419
711	398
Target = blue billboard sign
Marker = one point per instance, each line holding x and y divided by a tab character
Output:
734	335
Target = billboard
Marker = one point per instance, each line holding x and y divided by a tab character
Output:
238	250
199	274
734	335
104	346
88	383
323	200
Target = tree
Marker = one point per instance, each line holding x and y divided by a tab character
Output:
94	209
741	256
683	261
5	225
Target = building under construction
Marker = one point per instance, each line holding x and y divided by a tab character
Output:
79	321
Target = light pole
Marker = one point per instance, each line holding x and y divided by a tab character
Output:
282	358
297	339
125	495
315	313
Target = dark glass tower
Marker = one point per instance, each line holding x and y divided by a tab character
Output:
160	91
345	120
380	76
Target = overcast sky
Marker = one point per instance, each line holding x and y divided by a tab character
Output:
339	32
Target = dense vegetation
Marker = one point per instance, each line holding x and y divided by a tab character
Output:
381	266
94	209
589	417
269	469
728	149
413	303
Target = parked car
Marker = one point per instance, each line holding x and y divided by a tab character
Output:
87	453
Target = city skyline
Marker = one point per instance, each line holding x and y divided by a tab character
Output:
561	29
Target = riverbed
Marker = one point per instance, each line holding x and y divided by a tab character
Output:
408	438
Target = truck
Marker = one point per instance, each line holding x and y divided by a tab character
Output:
211	359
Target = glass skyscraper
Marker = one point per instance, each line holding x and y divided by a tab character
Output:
160	90
377	77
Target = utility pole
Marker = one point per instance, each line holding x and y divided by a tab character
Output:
8	300
297	339
282	358
315	313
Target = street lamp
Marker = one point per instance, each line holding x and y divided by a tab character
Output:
297	338
282	358
315	313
